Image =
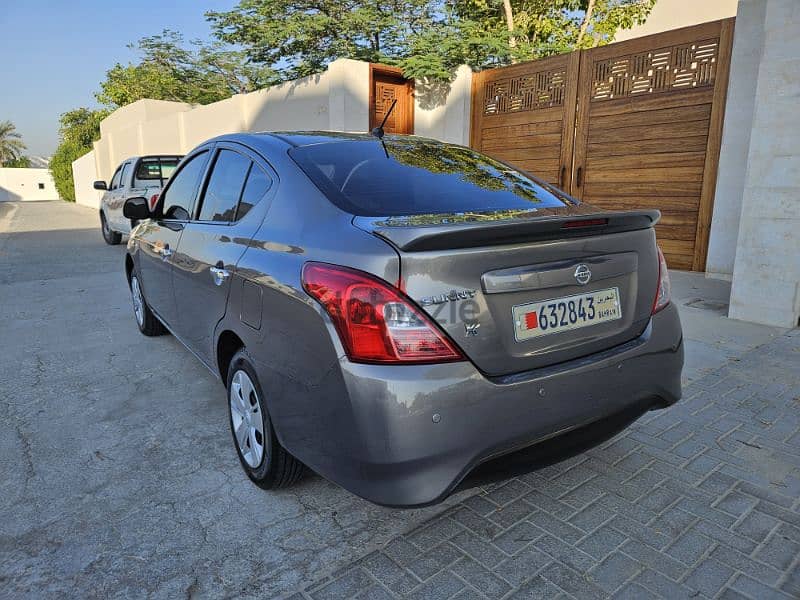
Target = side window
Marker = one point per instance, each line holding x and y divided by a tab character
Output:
115	179
258	183
123	175
224	187
178	198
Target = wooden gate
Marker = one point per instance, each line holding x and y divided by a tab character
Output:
387	84
525	114
643	131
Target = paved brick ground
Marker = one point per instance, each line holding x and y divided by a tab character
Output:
697	501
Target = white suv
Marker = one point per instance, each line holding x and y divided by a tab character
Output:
136	176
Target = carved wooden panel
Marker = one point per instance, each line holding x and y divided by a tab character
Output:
677	67
385	94
388	85
526	92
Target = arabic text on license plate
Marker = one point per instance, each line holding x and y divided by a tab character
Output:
562	314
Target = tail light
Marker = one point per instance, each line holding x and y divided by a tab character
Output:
664	291
153	202
375	321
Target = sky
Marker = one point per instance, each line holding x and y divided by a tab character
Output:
54	53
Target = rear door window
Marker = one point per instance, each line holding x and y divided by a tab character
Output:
225	185
124	174
115	179
178	199
407	176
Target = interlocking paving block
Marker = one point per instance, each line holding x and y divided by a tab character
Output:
602	542
614	571
677	506
709	577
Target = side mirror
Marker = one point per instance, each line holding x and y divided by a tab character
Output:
100	185
136	208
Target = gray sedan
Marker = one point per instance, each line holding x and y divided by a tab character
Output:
393	312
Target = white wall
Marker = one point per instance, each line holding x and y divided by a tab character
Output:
279	107
336	100
766	274
441	111
674	14
348	96
748	42
27	184
83	173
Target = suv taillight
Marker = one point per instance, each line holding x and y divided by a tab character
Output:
663	292
376	322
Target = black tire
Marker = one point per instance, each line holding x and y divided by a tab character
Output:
112	238
277	468
148	323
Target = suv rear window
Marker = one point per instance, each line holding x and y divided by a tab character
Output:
408	176
156	168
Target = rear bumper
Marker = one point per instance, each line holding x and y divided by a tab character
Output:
421	429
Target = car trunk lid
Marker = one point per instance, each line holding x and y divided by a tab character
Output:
482	276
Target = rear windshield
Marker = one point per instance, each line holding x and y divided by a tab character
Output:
409	176
156	168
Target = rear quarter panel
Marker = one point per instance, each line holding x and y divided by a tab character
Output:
296	349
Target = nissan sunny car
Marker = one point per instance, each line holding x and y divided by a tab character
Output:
394	312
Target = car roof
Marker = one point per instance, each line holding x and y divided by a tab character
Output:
306	138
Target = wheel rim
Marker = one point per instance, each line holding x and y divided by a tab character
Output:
138	301
246	419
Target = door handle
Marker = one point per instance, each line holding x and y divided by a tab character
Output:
219	275
579	177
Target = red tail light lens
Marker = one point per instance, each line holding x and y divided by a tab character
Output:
153	202
376	322
664	291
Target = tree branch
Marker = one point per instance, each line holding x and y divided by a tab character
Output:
509	14
587	17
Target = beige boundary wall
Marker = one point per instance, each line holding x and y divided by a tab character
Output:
84	174
26	184
335	100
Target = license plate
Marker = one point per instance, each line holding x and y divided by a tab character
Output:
536	319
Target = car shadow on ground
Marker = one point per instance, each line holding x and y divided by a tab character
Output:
551	451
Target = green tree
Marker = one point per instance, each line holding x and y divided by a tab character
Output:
79	128
428	38
295	38
537	28
11	145
171	69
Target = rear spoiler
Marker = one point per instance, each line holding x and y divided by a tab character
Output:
416	233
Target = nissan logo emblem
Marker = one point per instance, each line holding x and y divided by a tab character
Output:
582	274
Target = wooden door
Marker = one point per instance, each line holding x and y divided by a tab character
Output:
387	85
524	114
648	130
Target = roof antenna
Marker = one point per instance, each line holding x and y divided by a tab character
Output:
378	131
